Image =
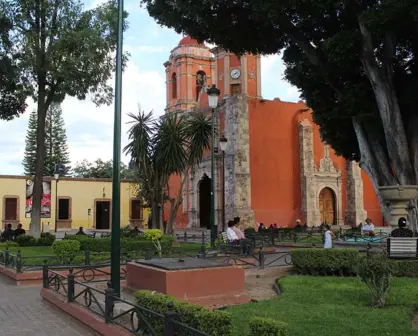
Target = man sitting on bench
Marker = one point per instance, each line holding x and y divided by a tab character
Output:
233	238
402	231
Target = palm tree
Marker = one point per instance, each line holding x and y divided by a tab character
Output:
160	148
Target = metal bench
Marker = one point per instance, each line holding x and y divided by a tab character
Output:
402	247
228	246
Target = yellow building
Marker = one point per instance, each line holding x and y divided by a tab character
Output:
71	202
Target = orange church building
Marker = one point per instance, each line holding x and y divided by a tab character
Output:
277	169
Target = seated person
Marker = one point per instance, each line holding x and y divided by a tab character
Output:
8	233
19	231
238	231
402	231
368	228
136	231
80	231
262	228
233	238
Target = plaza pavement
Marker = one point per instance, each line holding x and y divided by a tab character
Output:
24	313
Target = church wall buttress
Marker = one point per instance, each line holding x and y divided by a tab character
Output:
237	161
355	212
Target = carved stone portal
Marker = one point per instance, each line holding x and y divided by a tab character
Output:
314	180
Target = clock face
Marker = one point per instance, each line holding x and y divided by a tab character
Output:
235	73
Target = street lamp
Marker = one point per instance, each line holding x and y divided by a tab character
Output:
115	233
57	179
222	143
213	95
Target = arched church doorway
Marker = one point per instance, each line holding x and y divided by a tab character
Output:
204	202
327	206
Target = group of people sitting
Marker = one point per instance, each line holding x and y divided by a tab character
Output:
9	234
236	236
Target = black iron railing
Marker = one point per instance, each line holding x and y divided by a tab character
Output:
103	302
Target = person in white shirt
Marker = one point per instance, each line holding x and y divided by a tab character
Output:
328	237
232	236
368	228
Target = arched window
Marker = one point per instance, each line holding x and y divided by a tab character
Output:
200	82
174	85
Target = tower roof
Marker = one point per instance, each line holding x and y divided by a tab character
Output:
187	40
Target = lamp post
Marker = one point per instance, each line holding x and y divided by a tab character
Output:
222	143
57	179
213	95
115	233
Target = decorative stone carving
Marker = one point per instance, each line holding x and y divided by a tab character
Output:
355	212
313	180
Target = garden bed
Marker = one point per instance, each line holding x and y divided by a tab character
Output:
316	306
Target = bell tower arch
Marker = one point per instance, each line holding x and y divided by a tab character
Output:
188	71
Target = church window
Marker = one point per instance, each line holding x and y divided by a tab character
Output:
174	85
200	82
236	89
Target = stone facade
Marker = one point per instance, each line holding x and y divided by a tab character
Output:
355	212
313	180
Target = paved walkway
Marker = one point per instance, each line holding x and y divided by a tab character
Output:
24	313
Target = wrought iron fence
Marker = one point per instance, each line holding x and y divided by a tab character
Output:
136	319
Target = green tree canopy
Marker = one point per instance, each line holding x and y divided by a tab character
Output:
57	49
353	61
56	147
101	169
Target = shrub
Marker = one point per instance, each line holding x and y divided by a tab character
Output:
376	272
26	240
155	236
315	261
249	231
267	327
215	323
46	239
405	268
66	250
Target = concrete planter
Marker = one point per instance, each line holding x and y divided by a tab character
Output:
398	196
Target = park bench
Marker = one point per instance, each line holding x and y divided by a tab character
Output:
228	246
402	247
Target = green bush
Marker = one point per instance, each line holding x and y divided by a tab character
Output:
214	323
249	231
66	250
316	261
137	243
405	268
46	239
267	327
26	240
376	272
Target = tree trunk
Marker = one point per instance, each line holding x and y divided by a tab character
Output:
155	214
35	225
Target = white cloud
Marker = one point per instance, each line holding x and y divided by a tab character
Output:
89	128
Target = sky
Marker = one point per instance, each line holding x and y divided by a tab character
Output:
90	128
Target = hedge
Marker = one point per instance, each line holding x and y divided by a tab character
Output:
260	326
405	268
137	243
314	261
342	262
214	323
66	249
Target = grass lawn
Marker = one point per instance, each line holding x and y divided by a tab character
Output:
334	306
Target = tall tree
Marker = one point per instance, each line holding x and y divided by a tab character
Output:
354	62
56	148
164	147
29	157
60	50
101	169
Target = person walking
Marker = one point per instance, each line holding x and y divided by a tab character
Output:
328	237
